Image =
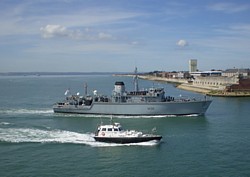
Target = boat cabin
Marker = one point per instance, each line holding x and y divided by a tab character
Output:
109	130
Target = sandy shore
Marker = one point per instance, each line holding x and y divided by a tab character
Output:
193	89
213	92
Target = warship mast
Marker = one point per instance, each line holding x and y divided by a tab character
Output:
136	80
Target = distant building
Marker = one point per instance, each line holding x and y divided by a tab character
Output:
175	75
192	65
215	82
233	80
206	73
236	72
242	86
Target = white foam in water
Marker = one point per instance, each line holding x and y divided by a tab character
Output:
4	123
114	116
144	116
27	111
50	111
28	135
192	115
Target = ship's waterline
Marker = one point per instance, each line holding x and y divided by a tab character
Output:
157	108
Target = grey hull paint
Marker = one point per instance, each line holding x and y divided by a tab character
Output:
156	108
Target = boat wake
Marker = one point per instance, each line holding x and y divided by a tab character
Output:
29	135
26	111
4	123
122	116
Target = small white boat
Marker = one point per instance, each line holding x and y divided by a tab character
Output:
114	133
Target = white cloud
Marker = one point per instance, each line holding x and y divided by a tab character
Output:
229	7
134	43
182	43
50	31
241	27
15	17
105	36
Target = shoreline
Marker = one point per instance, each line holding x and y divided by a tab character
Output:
182	84
211	92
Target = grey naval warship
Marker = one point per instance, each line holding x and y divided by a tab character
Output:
132	103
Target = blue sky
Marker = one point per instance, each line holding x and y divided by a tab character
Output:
117	35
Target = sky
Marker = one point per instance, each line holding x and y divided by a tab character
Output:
119	35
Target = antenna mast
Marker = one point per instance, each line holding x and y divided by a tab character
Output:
86	88
136	80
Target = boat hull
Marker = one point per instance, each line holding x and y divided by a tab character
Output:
126	140
152	108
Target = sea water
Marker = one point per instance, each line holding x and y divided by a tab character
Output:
34	141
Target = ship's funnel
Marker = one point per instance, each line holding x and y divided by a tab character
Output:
119	88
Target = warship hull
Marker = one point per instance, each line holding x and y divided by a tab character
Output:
151	101
152	108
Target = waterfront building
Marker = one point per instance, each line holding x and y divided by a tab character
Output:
206	73
235	83
215	82
175	75
233	72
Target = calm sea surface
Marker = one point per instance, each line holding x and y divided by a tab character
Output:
36	142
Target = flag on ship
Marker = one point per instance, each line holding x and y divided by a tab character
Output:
66	92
